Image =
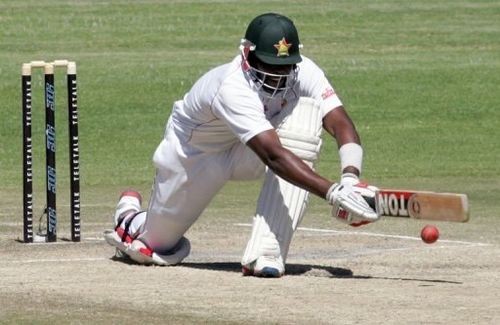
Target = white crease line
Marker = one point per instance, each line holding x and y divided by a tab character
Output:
20	223
94	238
68	205
62	241
364	233
7	211
54	260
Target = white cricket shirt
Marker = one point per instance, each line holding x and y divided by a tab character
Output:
224	106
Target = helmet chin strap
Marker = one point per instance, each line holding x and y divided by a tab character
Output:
245	47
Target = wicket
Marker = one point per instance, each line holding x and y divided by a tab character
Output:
50	150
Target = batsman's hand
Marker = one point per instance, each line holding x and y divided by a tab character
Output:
354	205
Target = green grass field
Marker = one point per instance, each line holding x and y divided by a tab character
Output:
420	79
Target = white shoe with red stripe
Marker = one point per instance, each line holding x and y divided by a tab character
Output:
141	253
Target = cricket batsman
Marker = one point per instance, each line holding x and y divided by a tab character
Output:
259	116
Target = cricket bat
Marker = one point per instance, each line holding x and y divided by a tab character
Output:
423	205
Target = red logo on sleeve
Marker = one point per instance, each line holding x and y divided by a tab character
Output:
329	92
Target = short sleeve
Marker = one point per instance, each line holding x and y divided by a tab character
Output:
313	83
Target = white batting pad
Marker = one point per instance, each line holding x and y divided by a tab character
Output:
280	209
281	205
126	203
300	129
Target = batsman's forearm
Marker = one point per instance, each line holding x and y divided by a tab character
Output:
339	125
294	170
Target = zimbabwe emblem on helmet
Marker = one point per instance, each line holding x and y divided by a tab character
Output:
282	46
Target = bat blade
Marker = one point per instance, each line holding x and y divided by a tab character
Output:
423	205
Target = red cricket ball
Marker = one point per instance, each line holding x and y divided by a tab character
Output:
429	234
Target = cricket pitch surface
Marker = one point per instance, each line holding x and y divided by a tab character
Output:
380	273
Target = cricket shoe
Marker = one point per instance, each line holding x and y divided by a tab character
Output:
265	266
143	254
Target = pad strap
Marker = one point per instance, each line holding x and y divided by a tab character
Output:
127	222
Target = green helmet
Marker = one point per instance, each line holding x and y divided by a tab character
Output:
275	39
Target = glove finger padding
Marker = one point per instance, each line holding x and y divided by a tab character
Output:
354	205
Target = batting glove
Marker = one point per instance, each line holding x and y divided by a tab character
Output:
349	179
354	205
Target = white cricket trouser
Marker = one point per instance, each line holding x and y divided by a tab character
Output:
185	183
